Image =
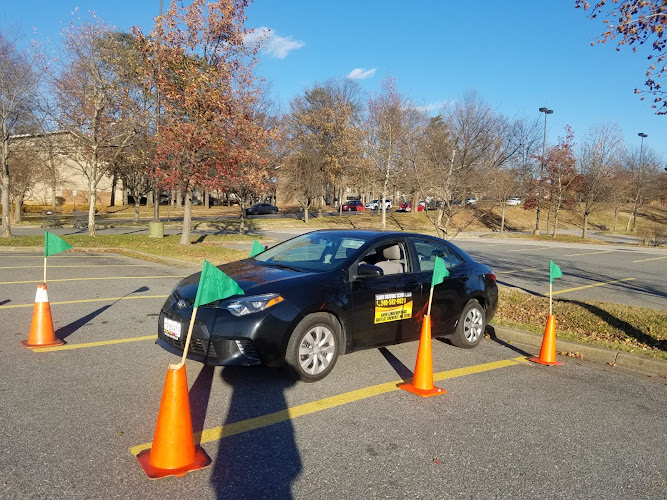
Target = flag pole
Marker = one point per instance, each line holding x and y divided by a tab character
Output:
187	341
551	286
45	270
430	300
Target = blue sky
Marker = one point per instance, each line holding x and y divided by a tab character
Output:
518	56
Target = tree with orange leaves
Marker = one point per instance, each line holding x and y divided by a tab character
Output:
208	135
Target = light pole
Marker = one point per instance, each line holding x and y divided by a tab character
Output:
546	112
641	148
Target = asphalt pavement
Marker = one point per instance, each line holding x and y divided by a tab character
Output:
73	417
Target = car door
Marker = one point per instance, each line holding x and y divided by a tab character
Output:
384	308
449	297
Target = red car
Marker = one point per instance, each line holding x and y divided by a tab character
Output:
407	207
353	206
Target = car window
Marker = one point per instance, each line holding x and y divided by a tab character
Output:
428	250
391	257
313	252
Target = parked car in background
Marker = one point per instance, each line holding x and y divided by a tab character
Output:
514	201
261	209
310	299
375	204
471	201
407	207
353	206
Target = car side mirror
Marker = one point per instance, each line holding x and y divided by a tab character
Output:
365	269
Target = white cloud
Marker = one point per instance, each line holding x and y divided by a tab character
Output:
434	106
361	73
274	45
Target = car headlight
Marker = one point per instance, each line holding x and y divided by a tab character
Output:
253	304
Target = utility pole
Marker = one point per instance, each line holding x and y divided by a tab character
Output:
539	190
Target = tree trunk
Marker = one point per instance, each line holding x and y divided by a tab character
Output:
305	212
383	200
179	197
585	233
415	203
6	225
549	217
502	219
125	197
207	199
242	224
54	201
18	204
187	217
615	217
114	181
92	202
136	209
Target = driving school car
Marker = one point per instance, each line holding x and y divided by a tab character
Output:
326	293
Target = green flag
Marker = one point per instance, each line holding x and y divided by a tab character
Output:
256	248
440	272
54	244
215	285
554	271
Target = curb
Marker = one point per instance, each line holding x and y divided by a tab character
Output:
644	364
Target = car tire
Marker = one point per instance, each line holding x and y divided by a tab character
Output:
470	327
312	350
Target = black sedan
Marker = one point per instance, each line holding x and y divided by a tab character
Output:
261	209
326	293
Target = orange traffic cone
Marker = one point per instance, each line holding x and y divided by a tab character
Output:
41	328
548	350
422	381
174	452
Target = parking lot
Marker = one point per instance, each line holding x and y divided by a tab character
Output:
74	417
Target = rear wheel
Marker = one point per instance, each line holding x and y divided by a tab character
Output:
312	350
471	326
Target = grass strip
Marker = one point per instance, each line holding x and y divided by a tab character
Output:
631	329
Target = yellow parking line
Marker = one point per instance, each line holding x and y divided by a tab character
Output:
529	249
54	267
92	279
592	286
518	270
67	347
217	433
589	253
652	258
83	301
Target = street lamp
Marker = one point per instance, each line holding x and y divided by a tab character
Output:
546	112
641	148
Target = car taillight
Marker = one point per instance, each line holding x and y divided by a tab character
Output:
493	276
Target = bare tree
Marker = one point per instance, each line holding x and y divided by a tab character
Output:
89	101
385	136
642	170
598	155
18	83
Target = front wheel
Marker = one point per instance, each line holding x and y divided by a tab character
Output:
312	350
471	326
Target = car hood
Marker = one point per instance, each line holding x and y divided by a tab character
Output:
252	277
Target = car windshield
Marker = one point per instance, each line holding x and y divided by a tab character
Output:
313	252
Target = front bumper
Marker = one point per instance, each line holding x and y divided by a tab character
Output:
220	338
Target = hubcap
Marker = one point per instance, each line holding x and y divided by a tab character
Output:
472	325
317	350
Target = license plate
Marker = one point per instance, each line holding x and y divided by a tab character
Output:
172	328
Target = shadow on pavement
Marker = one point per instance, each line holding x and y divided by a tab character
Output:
264	462
403	371
492	333
65	331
